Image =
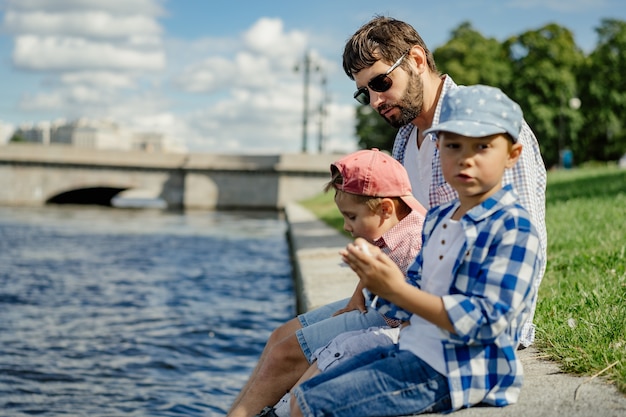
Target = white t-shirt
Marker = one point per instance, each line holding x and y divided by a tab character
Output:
418	164
422	337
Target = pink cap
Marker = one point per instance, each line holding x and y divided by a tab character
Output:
375	174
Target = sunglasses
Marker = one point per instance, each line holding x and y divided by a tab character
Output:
379	83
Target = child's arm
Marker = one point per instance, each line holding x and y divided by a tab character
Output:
383	277
357	301
502	282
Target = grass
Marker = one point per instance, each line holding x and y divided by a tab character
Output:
581	310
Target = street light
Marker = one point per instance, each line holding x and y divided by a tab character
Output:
322	114
306	70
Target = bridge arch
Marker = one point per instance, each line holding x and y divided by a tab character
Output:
101	196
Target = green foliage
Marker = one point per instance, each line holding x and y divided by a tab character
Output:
543	70
324	207
470	58
604	94
546	62
373	131
16	138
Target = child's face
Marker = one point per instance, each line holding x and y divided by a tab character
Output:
359	220
474	166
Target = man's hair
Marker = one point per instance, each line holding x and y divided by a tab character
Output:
382	38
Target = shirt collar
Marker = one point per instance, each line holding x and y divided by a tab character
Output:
391	239
504	197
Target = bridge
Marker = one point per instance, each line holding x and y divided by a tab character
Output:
34	175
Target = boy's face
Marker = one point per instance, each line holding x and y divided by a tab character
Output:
474	166
359	220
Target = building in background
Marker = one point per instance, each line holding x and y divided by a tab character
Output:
94	134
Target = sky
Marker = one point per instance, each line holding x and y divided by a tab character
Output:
227	76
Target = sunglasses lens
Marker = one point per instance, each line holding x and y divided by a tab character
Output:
380	83
362	95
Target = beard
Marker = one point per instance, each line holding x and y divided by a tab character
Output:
410	105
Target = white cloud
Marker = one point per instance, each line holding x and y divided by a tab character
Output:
148	7
102	79
267	37
110	60
254	96
54	53
245	70
92	24
43	101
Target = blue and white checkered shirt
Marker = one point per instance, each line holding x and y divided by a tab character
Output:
490	298
528	177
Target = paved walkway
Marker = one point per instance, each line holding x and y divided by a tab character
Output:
547	391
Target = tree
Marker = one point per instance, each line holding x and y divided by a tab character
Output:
373	131
545	64
604	94
470	58
545	72
17	138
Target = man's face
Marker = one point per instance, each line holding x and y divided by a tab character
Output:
403	102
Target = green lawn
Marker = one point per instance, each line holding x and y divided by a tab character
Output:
581	312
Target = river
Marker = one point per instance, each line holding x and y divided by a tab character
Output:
123	312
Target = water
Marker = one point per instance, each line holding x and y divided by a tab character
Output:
113	312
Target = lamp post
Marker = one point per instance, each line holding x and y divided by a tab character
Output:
306	70
322	115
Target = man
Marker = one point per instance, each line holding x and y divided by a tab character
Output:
396	74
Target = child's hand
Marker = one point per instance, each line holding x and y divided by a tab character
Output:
356	302
361	245
378	273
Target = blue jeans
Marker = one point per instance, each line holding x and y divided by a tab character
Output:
319	326
381	382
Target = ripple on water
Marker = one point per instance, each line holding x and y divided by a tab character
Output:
124	312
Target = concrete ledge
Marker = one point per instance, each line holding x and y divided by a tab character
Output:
547	391
315	249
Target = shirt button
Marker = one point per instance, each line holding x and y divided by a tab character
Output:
440	257
443	242
337	355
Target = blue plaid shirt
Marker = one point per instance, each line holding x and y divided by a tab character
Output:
489	300
528	176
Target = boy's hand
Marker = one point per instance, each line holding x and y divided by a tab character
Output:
378	273
357	302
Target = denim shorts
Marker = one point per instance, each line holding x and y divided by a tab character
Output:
380	382
319	326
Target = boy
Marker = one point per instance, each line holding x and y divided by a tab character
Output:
468	293
373	194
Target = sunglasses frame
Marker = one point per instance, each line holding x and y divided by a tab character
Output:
362	95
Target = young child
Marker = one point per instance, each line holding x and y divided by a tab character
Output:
373	194
467	294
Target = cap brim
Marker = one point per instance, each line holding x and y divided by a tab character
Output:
414	204
465	128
